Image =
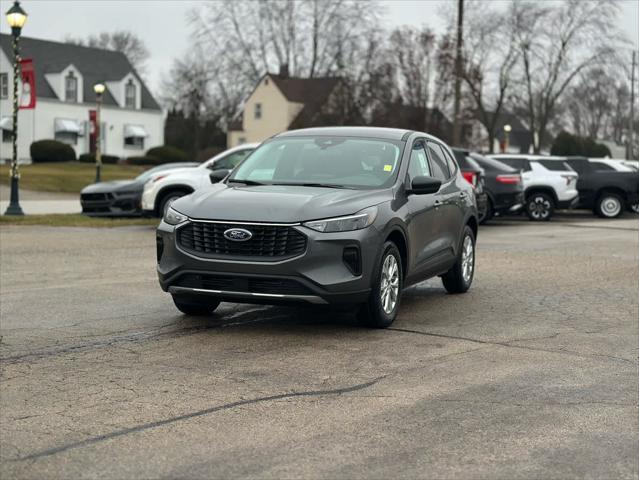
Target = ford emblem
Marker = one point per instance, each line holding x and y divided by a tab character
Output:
237	234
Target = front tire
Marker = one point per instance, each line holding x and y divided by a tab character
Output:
540	207
195	309
609	205
459	278
382	305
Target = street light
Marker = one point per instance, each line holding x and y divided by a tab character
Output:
507	129
98	88
16	18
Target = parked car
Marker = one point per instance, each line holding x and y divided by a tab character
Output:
606	193
474	175
121	197
611	165
346	215
549	183
164	188
502	185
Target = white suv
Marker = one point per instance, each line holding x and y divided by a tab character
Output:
548	184
164	188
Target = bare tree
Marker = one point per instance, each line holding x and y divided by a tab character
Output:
556	44
121	41
590	102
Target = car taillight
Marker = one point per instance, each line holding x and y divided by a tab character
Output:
509	179
471	177
568	178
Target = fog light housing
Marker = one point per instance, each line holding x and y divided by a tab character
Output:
352	259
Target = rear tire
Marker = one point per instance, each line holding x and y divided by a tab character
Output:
488	212
540	207
195	309
609	205
459	278
382	305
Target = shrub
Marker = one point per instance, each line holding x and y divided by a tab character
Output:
168	154
51	151
90	158
567	144
143	160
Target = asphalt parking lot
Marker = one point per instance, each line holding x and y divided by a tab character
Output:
532	374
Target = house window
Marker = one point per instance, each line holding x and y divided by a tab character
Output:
258	111
70	138
4	85
134	142
134	136
71	88
129	95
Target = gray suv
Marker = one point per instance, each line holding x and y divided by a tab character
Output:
340	215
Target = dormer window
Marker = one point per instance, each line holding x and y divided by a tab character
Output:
130	95
71	88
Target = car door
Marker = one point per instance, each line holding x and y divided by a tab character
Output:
446	202
422	222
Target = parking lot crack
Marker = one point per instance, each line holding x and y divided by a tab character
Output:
199	413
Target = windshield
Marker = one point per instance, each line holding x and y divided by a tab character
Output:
328	161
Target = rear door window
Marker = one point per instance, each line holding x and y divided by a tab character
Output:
555	165
602	167
516	163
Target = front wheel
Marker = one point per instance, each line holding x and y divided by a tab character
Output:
195	309
459	278
609	205
382	305
540	207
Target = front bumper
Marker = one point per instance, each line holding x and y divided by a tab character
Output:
568	204
110	204
319	275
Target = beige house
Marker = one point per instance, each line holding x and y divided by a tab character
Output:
279	103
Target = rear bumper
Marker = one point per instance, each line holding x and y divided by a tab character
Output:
319	275
568	204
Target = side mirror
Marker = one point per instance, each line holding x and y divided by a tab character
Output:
218	175
424	185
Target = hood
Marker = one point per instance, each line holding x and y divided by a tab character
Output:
175	171
276	203
114	186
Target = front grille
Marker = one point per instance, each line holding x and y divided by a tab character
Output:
277	286
268	241
95	197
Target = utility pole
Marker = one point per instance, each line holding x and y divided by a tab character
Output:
631	120
458	74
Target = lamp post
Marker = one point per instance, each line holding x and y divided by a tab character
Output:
16	17
507	129
98	88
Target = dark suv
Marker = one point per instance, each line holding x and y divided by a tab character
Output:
346	215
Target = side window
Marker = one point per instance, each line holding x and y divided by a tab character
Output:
418	164
516	163
230	161
452	164
439	164
602	167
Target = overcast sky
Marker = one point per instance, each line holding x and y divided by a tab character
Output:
163	26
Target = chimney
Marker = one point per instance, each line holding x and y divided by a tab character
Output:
284	70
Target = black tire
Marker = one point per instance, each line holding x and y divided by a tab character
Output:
195	309
372	313
167	199
455	280
487	213
609	205
634	208
540	207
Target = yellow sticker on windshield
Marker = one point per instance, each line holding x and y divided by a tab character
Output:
388	168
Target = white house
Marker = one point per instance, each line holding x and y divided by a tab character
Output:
132	121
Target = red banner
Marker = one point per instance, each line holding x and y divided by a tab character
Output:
28	97
92	130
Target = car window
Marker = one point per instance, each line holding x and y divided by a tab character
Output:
438	162
230	161
555	165
418	165
349	162
516	163
602	167
452	165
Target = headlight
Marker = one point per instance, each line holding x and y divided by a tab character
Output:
173	217
361	219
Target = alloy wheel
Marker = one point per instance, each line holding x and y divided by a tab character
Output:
389	290
539	208
468	259
610	206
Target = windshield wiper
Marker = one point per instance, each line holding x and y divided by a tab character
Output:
244	181
323	185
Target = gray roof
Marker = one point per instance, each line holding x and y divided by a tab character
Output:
95	64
